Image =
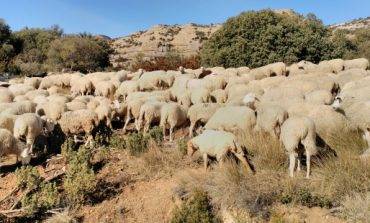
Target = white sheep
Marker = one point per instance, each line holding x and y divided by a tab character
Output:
79	122
6	96
172	115
199	95
218	96
105	113
126	88
18	108
361	63
216	144
200	114
52	110
7	121
296	131
29	126
75	105
232	118
321	97
150	112
82	86
10	145
270	118
20	89
105	89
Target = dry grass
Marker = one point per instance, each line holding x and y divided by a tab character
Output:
356	208
267	152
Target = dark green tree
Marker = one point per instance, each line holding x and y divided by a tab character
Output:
257	38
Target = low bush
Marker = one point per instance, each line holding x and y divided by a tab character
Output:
156	134
197	209
182	146
80	179
137	143
117	142
28	177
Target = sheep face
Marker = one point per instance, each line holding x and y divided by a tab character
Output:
48	125
337	103
250	100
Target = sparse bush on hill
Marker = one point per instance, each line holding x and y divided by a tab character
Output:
197	209
76	53
360	40
257	38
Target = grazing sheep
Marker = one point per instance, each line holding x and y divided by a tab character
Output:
7	121
75	105
51	110
155	80
133	112
360	63
18	108
29	126
349	75
6	96
232	118
79	122
270	118
216	144
105	89
20	98
172	115
336	65
297	131
82	86
126	88
218	96
33	81
32	94
10	145
105	113
20	89
321	97
150	112
201	113
199	95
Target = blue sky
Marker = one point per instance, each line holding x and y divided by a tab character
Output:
117	18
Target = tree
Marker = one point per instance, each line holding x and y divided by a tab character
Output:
76	53
257	38
34	44
7	46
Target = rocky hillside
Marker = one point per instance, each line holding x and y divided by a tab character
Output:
185	39
354	24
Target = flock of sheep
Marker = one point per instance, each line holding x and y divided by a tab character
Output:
295	104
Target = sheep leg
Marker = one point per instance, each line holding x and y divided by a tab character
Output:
298	164
205	160
308	163
191	128
292	159
164	132
126	123
171	135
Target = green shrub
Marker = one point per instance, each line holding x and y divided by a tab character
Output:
156	134
305	197
46	197
117	142
80	179
182	146
257	38
28	177
78	53
137	143
196	210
